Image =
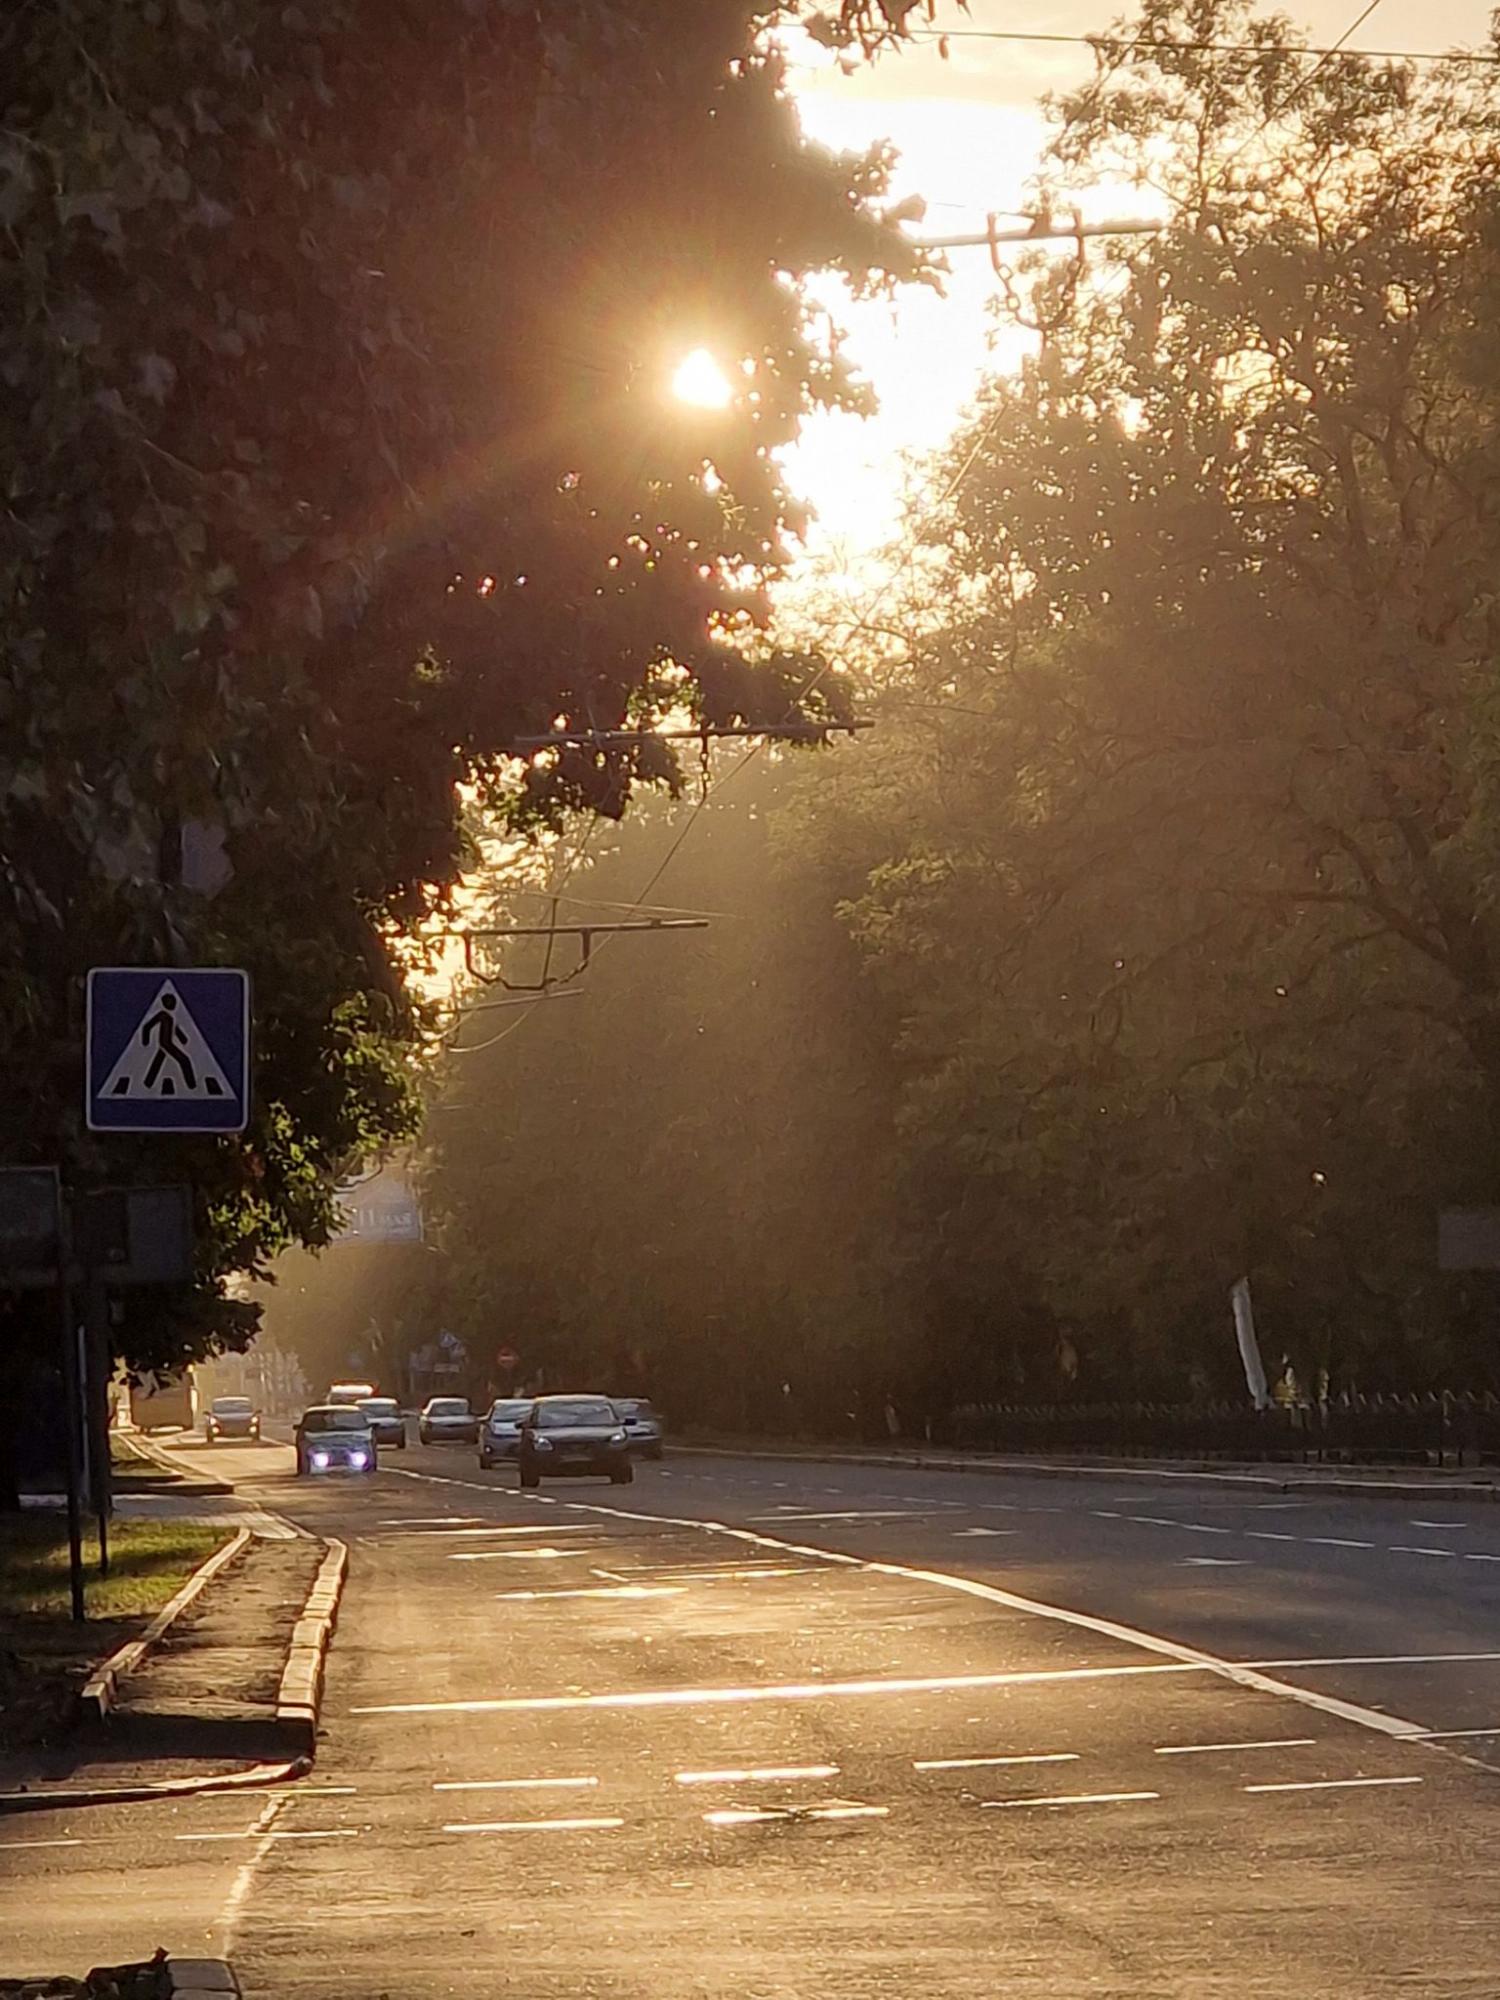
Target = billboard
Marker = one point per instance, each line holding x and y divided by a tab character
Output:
379	1207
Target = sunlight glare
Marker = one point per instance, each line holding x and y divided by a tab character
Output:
701	381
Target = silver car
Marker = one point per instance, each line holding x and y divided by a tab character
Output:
386	1420
645	1427
500	1435
447	1420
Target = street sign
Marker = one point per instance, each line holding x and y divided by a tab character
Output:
379	1207
168	1051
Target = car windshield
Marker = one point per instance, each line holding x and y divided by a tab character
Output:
578	1410
335	1417
510	1413
448	1406
230	1406
379	1406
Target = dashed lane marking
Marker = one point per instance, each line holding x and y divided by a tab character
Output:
1331	1785
989	1763
14	1846
959	1534
1215	1562
1072	1799
758	1774
1398	1550
594	1590
534	1826
728	1816
1438	1524
1335	1542
1207	1749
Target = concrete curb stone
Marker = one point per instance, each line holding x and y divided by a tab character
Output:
187	1477
100	1691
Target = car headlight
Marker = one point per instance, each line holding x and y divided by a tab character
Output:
542	1444
359	1460
617	1437
320	1460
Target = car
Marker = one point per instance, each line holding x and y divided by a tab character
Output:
448	1420
644	1426
334	1437
500	1434
569	1434
386	1420
350	1392
231	1417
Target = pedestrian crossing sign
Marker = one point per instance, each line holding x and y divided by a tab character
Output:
168	1050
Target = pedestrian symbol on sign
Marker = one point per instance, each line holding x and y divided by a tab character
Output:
167	1056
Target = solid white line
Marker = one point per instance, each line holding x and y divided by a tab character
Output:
1331	1785
1437	1735
761	1774
534	1826
983	1763
511	1784
699	1697
239	1888
1187	1658
1202	1749
1334	1542
1385	1660
247	1833
1075	1799
319	1833
1397	1549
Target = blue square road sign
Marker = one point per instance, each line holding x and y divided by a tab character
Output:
168	1049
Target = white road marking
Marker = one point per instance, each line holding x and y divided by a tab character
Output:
512	1555
318	1833
703	1697
1331	1785
1265	1535
985	1763
229	1916
1073	1799
1471	1555
429	1521
1202	1528
761	1774
1384	1660
530	1528
762	1815
1215	1562
1437	1735
1397	1549
1152	1520
597	1590
1437	1524
512	1784
12	1846
1334	1542
1184	1658
534	1826
1205	1749
849	1514
960	1533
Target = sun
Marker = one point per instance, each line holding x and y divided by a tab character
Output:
700	380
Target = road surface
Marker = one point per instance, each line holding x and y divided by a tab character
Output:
776	1730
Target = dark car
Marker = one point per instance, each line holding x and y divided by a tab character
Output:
334	1437
231	1417
386	1420
500	1434
567	1434
447	1420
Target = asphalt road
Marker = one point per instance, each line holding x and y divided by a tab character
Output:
777	1730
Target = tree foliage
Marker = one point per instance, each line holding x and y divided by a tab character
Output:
333	341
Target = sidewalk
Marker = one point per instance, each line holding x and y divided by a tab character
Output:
204	1702
1479	1483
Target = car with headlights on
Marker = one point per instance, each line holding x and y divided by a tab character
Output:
334	1437
645	1427
448	1420
500	1433
574	1434
231	1417
386	1420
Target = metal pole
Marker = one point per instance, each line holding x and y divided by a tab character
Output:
72	1411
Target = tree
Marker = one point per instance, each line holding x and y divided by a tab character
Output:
331	363
1189	900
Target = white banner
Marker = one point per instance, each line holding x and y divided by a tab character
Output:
1244	1333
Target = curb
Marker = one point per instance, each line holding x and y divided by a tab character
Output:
100	1691
300	1696
185	1476
299	1702
1341	1489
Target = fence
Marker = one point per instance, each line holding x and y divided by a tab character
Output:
1441	1430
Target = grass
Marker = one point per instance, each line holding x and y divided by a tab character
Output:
148	1562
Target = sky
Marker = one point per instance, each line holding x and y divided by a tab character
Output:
970	131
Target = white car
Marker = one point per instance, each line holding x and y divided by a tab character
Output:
500	1434
448	1420
644	1426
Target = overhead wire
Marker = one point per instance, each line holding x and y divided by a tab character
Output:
1483	57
